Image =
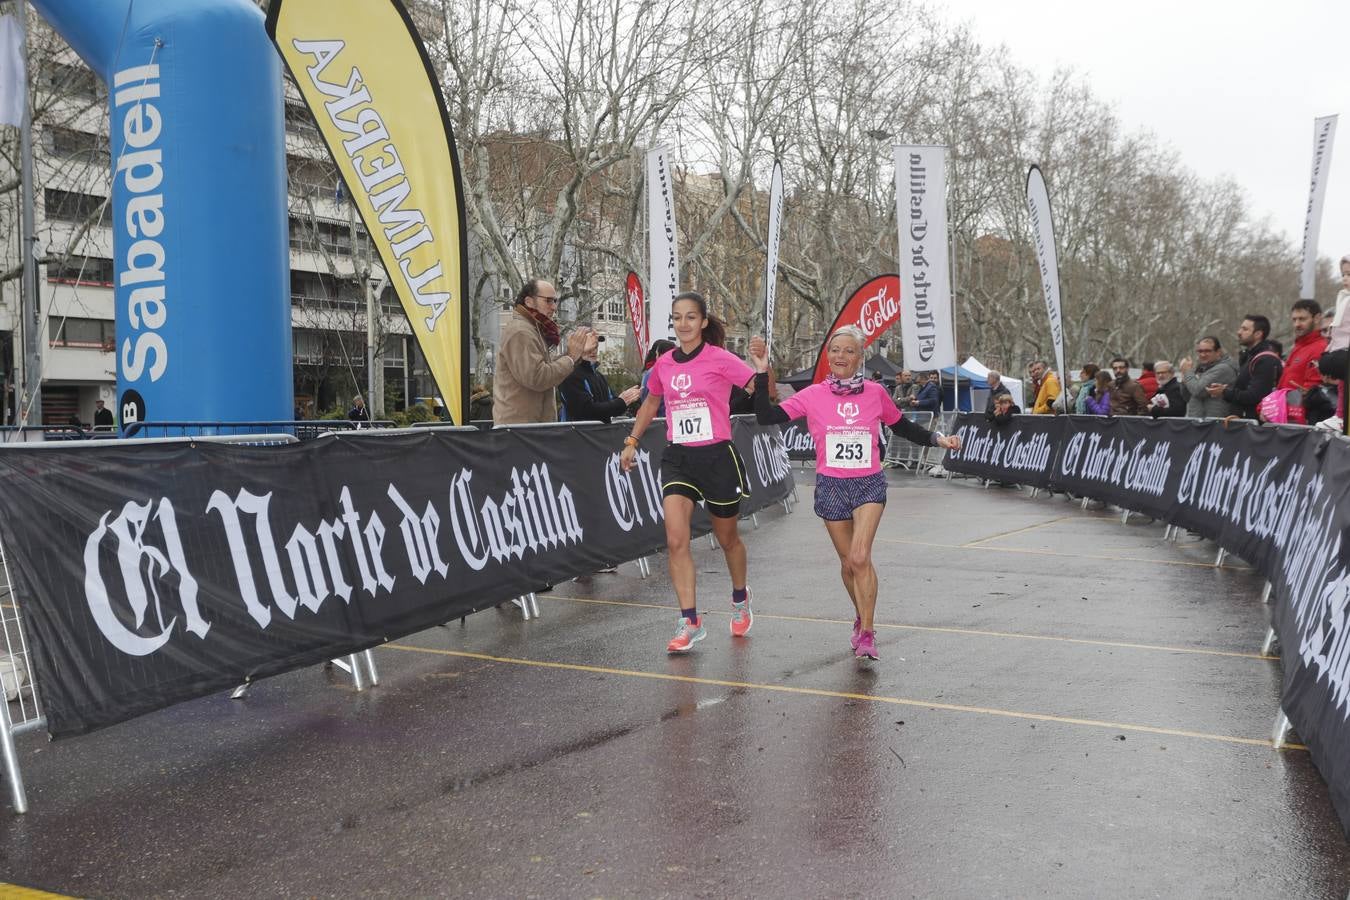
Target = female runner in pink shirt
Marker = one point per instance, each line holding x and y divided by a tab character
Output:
700	464
844	414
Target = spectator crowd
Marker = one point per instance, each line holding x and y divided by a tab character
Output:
1257	379
1254	378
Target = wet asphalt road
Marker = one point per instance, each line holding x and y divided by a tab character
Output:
1064	707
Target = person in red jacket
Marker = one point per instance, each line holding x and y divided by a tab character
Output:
1148	380
1300	369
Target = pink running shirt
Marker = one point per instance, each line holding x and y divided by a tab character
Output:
698	394
845	427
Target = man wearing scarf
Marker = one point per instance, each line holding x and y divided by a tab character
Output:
528	373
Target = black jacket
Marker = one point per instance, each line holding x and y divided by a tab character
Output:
993	395
996	419
1176	401
1259	369
586	396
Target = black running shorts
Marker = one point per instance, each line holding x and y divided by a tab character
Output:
713	475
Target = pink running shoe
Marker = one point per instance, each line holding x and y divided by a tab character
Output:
688	634
857	632
741	617
867	645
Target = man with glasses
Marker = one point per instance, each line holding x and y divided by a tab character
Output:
1168	401
1211	366
524	385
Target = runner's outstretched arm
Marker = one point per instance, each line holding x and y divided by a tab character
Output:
765	412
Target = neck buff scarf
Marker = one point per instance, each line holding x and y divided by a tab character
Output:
842	386
548	329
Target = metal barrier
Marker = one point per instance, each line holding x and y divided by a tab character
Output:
303	429
934	456
902	453
34	434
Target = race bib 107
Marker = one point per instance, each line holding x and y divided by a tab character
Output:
691	424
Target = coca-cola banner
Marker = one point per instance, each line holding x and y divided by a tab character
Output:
1276	496
149	574
637	312
873	307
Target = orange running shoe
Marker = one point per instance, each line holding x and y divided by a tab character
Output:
689	633
741	617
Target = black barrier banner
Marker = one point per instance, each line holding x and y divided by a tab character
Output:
151	574
989	451
798	441
1278	497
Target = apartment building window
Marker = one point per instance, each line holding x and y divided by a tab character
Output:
93	334
307	346
73	206
72	144
74	81
317	235
315	289
394	346
299	121
615	309
92	270
314	177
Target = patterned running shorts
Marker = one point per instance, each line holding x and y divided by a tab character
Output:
837	498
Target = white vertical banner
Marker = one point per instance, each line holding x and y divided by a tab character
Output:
1043	238
664	276
1324	135
12	84
926	332
771	256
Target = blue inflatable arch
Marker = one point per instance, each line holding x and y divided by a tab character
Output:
198	204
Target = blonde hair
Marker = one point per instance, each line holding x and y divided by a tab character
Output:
852	331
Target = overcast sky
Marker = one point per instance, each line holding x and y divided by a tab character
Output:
1232	87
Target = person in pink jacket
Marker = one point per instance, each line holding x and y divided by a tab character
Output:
844	414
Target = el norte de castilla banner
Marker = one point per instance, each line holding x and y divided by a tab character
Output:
152	573
365	76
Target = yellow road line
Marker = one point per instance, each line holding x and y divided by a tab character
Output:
847	695
19	892
936	628
1003	534
987	549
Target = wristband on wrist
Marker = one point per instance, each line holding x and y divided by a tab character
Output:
630	441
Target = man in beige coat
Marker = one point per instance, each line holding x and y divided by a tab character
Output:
527	373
